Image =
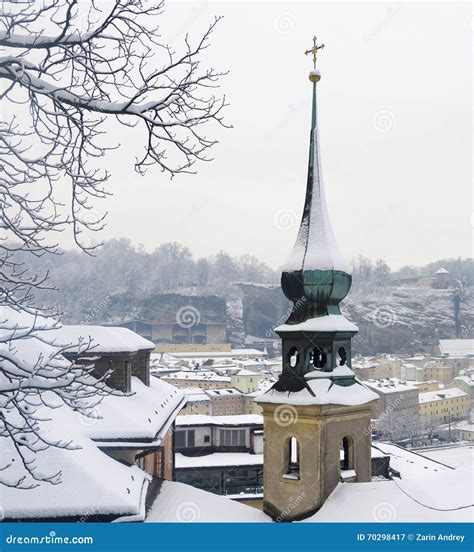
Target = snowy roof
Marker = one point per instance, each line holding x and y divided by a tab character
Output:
218	459
237	419
328	323
454	455
229	391
195	394
457	347
469	380
442	271
233	353
439	497
177	502
207	375
91	483
441	394
325	392
390	385
144	415
248	373
103	339
262	388
410	464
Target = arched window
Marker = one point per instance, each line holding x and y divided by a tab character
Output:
342	356
292	470
318	358
347	454
293	357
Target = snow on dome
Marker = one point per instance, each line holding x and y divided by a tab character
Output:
325	392
442	271
315	75
328	323
316	246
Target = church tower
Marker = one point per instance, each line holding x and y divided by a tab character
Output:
316	416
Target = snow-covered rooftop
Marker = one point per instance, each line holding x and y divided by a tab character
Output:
218	459
177	502
233	353
457	347
228	392
245	372
90	482
237	419
443	497
441	394
410	464
469	380
201	375
144	415
390	385
102	339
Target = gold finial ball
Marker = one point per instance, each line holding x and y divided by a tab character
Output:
315	75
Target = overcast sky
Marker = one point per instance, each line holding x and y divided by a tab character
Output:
395	123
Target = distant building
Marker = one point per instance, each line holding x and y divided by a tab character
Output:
464	431
442	279
205	379
197	402
246	381
225	402
460	352
466	384
444	405
430	385
395	396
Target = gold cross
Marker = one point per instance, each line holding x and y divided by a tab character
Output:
314	50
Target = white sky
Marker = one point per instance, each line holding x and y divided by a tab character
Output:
403	193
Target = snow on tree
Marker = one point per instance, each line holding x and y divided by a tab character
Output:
71	73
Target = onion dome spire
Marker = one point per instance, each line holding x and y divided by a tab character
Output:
315	276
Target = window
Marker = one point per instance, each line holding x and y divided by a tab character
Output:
347	455
293	357
342	356
184	438
292	460
318	357
232	437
